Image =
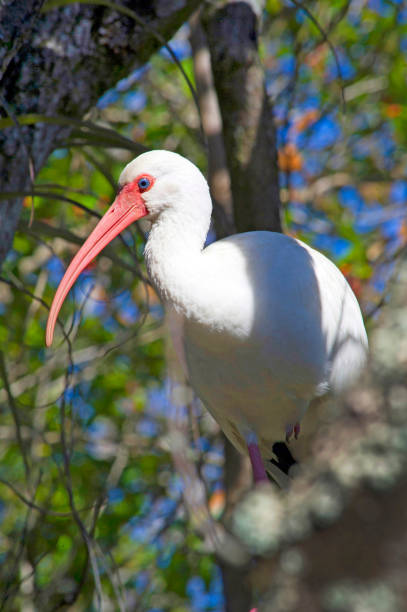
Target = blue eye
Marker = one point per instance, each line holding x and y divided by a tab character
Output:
143	183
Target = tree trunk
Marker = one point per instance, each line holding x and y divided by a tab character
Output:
251	152
59	63
237	473
248	128
218	173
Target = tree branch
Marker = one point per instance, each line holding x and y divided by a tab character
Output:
218	173
249	133
61	63
250	144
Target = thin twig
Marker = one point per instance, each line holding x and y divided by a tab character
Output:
146	26
60	232
30	574
337	17
7	590
16	417
68	599
325	38
33	506
66	454
114	578
80	311
131	336
21	288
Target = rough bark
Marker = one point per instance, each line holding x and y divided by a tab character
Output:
248	128
218	173
238	591
17	20
59	63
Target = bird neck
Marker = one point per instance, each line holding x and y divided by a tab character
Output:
174	259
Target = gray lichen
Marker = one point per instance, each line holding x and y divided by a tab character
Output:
345	506
258	520
351	596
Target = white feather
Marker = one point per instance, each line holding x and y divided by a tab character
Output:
263	323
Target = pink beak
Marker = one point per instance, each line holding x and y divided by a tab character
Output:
127	208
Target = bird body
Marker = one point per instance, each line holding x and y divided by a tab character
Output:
263	324
273	325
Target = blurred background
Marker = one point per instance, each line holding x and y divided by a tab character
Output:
111	477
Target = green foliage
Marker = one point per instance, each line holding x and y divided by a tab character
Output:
85	465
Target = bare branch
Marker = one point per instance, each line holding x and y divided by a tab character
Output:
325	38
16	417
33	506
218	174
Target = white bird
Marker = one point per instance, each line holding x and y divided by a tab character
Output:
263	324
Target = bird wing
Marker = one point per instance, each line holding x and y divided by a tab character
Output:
342	324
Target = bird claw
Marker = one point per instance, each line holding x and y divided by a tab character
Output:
292	429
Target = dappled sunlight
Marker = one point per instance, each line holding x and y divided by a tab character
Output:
114	493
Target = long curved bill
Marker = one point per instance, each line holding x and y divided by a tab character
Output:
115	220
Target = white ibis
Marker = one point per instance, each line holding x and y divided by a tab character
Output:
263	324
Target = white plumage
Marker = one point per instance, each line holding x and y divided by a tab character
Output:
262	323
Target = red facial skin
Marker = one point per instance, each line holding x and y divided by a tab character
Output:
128	207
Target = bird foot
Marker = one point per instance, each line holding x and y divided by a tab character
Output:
292	429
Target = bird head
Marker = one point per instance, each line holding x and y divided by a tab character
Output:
165	181
152	185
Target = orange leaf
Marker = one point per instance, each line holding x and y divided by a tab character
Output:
217	503
393	110
307	119
289	158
